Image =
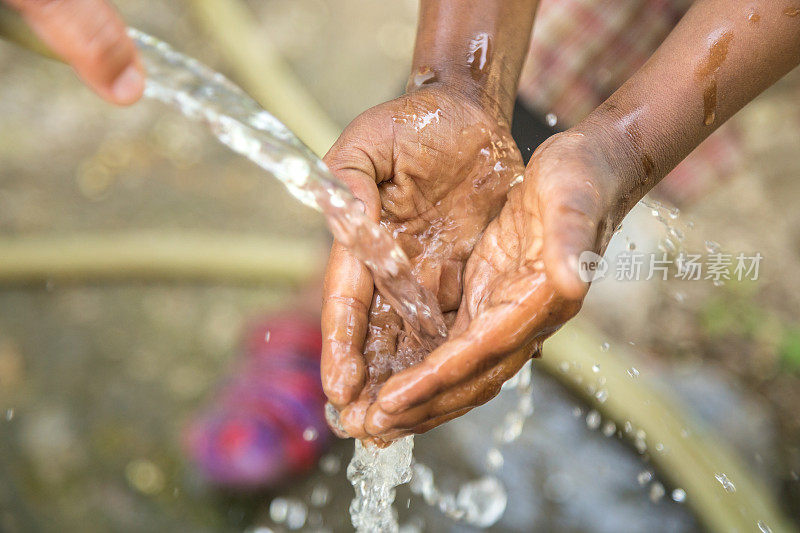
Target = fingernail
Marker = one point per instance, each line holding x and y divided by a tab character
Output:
129	85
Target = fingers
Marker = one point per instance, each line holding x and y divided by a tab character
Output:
395	434
472	393
496	332
347	294
345	306
90	36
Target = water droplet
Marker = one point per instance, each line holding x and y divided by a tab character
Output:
601	395
763	527
640	444
266	336
713	247
656	492
563	366
310	433
278	509
577	412
644	477
145	476
296	514
633	372
494	459
512	428
604	347
679	495
596	368
593	419
726	483
330	464
551	119
319	495
483	501
479	53
423	76
9	414
609	428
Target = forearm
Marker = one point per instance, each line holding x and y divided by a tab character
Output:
475	47
719	57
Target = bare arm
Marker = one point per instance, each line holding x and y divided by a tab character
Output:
721	55
475	47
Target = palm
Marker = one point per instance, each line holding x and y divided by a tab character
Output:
452	166
439	171
519	287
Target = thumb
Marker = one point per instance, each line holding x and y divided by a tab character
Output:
571	216
90	36
348	289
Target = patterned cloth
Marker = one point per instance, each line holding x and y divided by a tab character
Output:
583	50
267	422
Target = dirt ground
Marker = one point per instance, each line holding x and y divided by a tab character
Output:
97	381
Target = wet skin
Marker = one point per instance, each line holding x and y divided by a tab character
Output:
519	287
436	170
520	282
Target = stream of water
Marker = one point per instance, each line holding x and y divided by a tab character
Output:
240	123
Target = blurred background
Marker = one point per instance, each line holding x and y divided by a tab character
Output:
98	379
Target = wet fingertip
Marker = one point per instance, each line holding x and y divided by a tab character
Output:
377	421
352	418
340	396
389	402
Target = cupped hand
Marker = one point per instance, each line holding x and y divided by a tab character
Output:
520	285
435	168
92	38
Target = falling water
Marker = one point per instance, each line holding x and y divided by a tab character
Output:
238	122
374	473
241	124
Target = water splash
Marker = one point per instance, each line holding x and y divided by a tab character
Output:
482	502
240	123
374	473
726	483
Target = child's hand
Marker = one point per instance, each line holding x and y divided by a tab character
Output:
435	168
520	285
90	36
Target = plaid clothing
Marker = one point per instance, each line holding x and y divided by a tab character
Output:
583	50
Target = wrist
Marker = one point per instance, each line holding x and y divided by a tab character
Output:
616	138
460	83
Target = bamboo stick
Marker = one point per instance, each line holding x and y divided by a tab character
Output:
184	257
261	70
